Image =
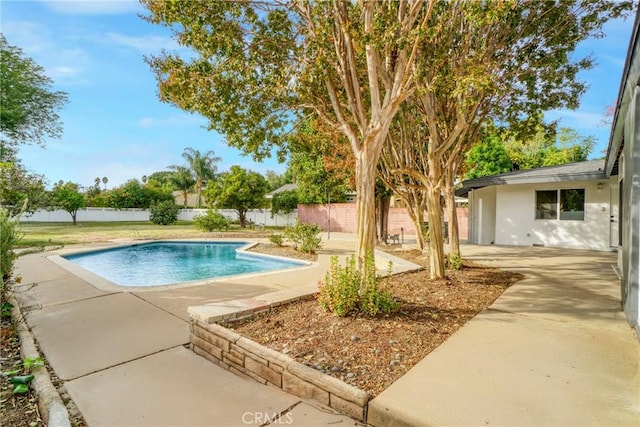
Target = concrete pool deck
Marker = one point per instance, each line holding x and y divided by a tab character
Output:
552	350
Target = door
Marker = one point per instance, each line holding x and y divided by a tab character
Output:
613	216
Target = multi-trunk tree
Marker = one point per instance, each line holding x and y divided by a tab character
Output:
258	67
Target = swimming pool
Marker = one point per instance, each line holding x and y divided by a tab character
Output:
164	263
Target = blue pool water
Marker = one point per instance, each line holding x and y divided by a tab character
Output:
163	263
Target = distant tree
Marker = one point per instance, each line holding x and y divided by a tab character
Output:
284	202
29	105
97	182
238	189
488	157
161	179
133	194
67	196
182	179
203	167
276	180
104	181
18	185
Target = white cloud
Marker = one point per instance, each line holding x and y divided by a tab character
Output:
578	119
144	44
93	7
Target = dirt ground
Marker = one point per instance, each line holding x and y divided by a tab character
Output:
371	353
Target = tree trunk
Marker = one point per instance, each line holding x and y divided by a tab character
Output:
185	197
242	217
452	213
436	238
366	165
74	216
416	213
383	217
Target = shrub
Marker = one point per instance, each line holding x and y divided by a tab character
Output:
455	262
304	237
212	220
341	293
9	236
276	239
339	290
164	213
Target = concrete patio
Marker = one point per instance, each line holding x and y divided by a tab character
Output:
553	350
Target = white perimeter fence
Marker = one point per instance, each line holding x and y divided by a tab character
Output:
257	216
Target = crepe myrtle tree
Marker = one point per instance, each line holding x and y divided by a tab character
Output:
257	68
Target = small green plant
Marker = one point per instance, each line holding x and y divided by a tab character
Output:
164	213
9	236
455	262
304	237
343	290
5	308
21	382
276	239
211	221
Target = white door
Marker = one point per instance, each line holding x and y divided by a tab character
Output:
613	218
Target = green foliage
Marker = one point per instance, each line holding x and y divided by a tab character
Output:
211	221
6	308
455	262
203	168
182	179
21	383
29	105
277	239
237	189
276	180
18	185
164	213
134	195
9	237
67	196
488	157
304	237
284	202
343	290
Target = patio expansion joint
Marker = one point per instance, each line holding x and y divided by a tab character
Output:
156	306
183	345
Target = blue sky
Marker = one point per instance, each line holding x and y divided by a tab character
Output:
114	124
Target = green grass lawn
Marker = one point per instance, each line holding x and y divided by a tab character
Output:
39	234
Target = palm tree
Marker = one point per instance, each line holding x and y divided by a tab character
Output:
183	180
104	181
203	168
97	182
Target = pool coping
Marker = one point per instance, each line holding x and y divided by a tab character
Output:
106	285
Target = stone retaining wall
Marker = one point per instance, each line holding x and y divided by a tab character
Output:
243	356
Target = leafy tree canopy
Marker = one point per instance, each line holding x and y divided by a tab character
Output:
133	194
284	202
18	185
237	189
29	105
67	196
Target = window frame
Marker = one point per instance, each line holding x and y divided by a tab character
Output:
558	204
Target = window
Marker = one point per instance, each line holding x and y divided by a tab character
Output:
547	204
570	204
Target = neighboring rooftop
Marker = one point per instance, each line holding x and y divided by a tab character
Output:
286	187
579	171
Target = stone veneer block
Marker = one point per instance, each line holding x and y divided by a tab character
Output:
299	387
206	346
351	409
233	360
211	338
263	371
329	383
264	352
221	331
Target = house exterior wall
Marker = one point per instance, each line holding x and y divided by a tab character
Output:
515	222
482	218
629	175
